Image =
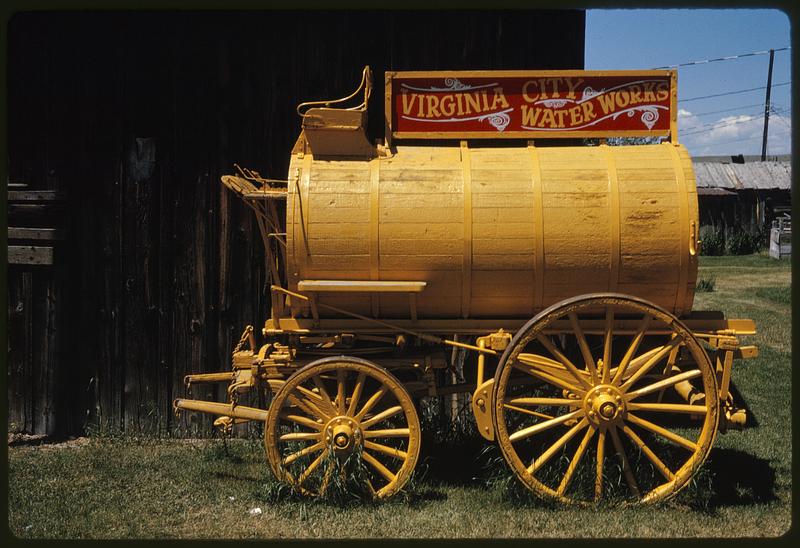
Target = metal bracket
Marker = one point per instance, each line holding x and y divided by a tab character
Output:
483	409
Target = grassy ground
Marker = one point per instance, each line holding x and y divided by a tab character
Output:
116	488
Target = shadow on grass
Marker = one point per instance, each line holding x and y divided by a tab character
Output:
457	461
728	478
739	478
738	398
29	440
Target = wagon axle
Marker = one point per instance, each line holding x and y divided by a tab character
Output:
603	403
342	434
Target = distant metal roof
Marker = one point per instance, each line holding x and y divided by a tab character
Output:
742	158
703	191
748	176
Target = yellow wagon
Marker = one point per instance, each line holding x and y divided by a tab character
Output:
567	271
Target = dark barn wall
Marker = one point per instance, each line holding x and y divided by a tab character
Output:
136	116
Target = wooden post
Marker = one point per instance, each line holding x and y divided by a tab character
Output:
767	107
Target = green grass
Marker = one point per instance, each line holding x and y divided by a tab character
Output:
117	488
780	294
706	285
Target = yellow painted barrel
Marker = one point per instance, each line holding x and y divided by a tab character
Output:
496	232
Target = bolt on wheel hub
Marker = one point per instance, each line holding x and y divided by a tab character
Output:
604	404
342	434
341	441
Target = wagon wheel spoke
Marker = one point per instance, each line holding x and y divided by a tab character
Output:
631	352
668	408
634	364
626	466
340	392
386	450
528	411
382	416
588	360
665	383
371	488
311	468
299	419
356	394
531	368
545	402
551	451
545	341
374	399
298	436
381	469
651	362
607	345
543	362
575	461
545	429
308	407
326	399
319	446
388	433
314	402
601	457
542	426
663	432
557	365
326	480
669	368
657	462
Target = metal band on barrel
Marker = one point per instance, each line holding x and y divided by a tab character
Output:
613	218
374	227
538	230
683	212
466	265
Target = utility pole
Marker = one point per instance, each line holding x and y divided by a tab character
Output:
767	107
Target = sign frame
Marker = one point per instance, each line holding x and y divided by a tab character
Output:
392	134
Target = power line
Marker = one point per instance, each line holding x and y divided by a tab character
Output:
727	58
727	124
736	141
720	126
773	108
779	112
780	108
783	120
780	117
711	124
742	107
731	92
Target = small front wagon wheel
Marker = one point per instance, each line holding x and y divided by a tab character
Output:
605	396
339	413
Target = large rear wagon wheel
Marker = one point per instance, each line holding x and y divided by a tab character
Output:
343	416
585	408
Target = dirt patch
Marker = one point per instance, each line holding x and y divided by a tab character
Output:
45	442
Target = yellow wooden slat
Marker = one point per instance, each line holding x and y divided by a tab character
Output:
351	286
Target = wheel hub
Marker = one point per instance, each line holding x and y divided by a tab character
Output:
342	434
604	404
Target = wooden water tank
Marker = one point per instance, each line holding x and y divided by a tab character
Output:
498	232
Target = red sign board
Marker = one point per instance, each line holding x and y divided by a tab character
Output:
531	104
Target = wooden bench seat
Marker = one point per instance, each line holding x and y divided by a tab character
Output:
354	286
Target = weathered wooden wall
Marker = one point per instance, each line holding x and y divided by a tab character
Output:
136	116
751	210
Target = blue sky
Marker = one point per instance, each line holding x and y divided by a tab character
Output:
645	39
